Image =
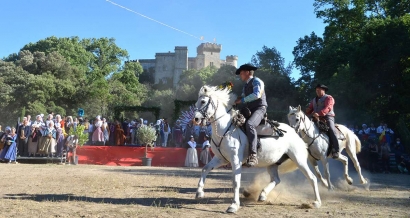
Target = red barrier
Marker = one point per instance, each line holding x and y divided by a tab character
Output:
131	156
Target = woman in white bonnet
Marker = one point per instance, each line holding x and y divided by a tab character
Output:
98	135
48	146
191	159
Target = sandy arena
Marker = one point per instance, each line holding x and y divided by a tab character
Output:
49	190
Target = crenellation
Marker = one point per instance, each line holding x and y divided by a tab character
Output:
172	64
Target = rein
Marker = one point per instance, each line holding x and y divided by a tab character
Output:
203	111
306	134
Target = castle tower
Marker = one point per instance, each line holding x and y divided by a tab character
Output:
181	62
208	54
232	60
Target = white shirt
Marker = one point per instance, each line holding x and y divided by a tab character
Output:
205	144
380	129
192	144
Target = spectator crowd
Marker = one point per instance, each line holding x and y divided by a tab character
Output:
382	149
48	136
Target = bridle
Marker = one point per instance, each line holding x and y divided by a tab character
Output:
203	110
305	130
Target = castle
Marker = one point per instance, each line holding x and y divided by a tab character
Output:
171	65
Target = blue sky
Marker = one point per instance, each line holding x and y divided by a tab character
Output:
242	27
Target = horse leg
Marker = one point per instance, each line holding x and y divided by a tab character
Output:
236	180
345	162
274	181
301	162
318	174
214	163
325	164
357	166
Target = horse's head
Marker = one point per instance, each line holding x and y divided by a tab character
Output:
295	117
205	107
209	98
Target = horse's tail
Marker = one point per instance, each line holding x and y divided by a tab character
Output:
353	140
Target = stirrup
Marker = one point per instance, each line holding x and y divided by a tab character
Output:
252	160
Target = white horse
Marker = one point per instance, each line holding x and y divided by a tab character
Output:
318	146
230	145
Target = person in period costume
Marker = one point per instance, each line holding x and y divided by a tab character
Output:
106	131
98	135
1	136
33	140
11	154
167	130
119	135
322	107
205	155
48	146
253	95
178	138
189	131
86	125
69	123
71	144
75	123
191	159
6	139
112	134
202	134
23	131
59	139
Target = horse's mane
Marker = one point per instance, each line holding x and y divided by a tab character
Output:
225	96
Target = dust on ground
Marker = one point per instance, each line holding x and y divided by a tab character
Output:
49	190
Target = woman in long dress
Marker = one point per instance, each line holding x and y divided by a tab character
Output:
205	156
33	140
98	135
48	147
191	159
178	138
11	153
7	142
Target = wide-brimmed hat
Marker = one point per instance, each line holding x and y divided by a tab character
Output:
245	67
322	87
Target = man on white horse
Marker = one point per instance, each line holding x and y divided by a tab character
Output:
253	94
322	107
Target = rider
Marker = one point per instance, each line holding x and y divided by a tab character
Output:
322	106
253	94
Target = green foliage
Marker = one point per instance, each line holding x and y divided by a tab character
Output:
146	135
79	132
363	57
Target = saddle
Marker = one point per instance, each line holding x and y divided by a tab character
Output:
267	128
323	127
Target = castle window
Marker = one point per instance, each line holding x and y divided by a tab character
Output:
211	64
211	53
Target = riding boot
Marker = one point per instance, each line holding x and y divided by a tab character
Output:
252	160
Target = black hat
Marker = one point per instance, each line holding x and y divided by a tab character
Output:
245	67
322	87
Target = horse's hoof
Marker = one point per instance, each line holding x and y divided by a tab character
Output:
262	198
331	188
232	209
246	194
199	195
364	182
317	204
349	180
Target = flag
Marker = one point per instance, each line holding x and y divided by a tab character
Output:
382	137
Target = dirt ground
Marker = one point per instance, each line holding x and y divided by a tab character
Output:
49	190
